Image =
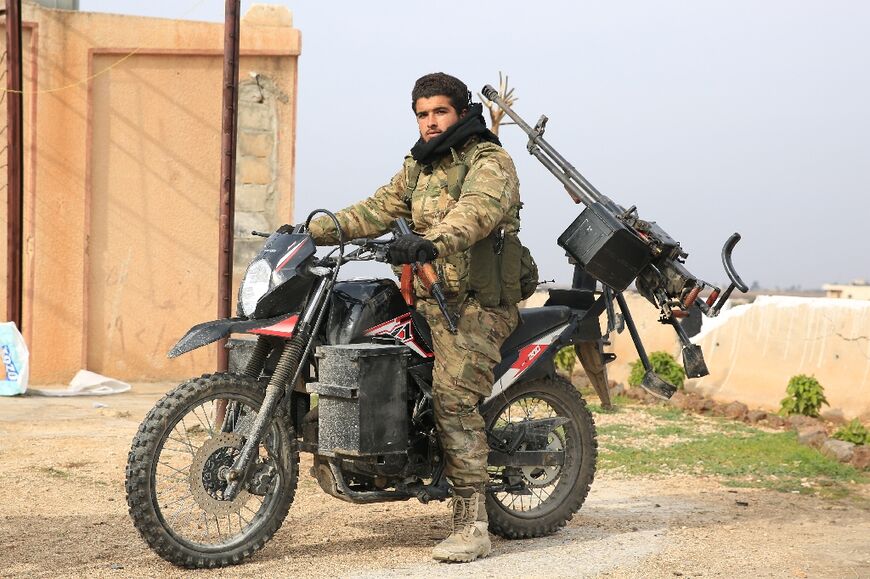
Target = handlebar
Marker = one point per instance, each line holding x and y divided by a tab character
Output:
729	267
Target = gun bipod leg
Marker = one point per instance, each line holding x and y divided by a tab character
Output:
652	383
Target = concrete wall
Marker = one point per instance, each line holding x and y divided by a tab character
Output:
123	176
753	350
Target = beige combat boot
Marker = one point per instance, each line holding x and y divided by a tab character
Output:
469	538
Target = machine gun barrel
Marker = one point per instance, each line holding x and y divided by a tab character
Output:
580	189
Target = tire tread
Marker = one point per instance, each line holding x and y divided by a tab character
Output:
501	522
139	465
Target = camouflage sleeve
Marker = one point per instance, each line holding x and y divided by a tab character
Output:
368	218
489	191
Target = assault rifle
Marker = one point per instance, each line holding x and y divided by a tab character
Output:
615	246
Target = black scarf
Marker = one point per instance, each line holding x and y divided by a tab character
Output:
468	126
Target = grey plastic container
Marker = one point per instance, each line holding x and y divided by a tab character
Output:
363	399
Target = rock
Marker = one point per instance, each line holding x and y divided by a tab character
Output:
736	410
679	400
635	392
798	421
691	402
615	388
775	421
838	449
702	405
834	415
814	436
718	408
580	379
755	416
861	457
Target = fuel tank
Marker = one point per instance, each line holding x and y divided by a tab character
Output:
363	310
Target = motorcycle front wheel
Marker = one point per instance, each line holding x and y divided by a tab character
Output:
534	501
176	473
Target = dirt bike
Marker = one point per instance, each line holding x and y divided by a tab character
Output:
214	466
343	370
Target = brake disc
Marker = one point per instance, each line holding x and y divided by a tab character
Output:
208	472
541	476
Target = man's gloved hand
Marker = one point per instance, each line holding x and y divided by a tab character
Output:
411	249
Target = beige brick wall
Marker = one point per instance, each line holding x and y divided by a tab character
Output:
123	181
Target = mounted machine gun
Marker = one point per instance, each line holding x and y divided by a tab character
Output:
616	247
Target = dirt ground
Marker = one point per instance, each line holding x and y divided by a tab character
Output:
63	513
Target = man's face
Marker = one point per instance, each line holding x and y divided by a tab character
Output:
434	116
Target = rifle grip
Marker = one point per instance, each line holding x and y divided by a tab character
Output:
407	284
427	275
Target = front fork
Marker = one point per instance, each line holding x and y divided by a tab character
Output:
289	364
252	369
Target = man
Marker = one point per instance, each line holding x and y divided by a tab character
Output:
459	189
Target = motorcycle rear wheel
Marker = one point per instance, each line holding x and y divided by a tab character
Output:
551	494
175	474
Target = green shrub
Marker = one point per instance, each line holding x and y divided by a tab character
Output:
854	432
565	360
805	396
664	365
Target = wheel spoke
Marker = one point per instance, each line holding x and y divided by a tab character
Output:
181	472
186	431
540	482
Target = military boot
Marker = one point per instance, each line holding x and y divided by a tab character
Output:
469	538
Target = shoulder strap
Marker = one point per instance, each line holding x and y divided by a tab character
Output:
456	173
412	174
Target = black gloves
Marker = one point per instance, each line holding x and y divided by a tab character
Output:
411	249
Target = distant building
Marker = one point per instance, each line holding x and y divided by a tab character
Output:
857	290
62	4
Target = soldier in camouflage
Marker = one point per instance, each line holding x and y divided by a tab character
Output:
460	190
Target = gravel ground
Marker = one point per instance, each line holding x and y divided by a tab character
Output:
63	513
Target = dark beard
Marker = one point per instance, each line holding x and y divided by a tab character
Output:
472	124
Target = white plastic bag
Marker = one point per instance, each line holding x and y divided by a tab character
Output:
15	369
86	383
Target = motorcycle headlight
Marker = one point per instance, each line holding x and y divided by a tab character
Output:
254	286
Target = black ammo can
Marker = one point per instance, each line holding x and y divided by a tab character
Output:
363	399
606	247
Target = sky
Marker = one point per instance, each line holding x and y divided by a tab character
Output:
710	117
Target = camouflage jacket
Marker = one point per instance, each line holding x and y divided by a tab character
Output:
487	201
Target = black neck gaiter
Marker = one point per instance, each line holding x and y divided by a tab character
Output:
468	126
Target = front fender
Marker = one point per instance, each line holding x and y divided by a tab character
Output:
209	332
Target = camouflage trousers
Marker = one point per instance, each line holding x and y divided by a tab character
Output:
462	378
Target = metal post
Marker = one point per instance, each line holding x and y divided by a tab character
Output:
15	162
228	168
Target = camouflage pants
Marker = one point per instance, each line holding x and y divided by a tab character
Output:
462	378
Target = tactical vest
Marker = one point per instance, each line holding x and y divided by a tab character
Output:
498	269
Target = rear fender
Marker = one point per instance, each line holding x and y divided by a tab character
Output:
209	332
534	359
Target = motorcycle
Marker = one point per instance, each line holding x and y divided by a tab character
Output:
343	370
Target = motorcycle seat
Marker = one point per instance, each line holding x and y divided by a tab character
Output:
578	299
535	322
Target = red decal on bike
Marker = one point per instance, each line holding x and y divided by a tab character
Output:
527	357
400	329
291	251
283	329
